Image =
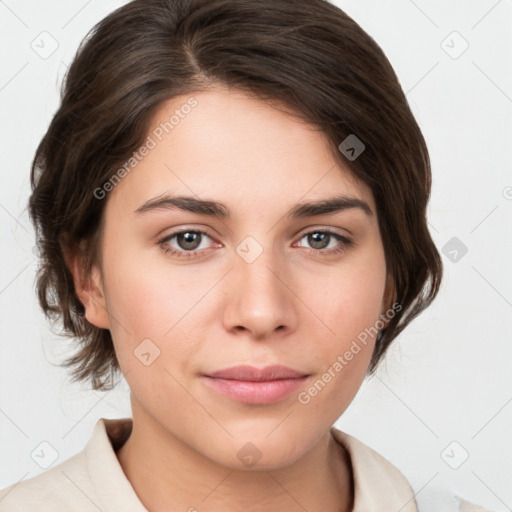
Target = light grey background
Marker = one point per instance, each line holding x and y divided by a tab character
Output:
444	391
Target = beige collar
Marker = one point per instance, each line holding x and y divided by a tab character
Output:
378	485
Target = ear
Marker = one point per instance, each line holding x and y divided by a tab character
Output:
89	288
389	296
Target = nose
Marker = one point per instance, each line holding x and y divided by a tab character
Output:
260	301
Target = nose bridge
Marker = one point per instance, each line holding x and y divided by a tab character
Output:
258	300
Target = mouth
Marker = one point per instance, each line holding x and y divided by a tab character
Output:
250	385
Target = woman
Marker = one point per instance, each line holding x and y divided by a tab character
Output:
231	211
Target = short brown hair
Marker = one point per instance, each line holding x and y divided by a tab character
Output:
305	54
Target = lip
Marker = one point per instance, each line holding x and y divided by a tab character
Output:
251	385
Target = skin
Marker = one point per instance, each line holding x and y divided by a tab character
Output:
293	306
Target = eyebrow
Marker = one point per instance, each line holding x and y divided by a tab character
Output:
214	208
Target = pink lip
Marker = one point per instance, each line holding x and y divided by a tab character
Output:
256	386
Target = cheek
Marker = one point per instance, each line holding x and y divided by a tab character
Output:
156	301
349	309
347	304
145	294
348	300
150	311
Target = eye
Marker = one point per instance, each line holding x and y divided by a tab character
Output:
186	243
327	242
189	243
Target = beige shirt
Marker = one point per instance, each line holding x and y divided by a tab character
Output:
93	480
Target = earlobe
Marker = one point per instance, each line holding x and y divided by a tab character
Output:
89	289
95	304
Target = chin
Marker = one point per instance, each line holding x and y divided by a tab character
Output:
255	449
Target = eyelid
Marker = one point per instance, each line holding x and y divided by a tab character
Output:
344	243
324	229
342	246
178	231
300	234
184	229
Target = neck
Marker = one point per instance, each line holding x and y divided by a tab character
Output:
167	474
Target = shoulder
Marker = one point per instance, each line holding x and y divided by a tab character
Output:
376	478
439	499
63	487
378	484
91	480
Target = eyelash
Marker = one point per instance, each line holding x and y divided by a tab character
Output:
344	244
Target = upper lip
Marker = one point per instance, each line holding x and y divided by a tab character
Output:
250	373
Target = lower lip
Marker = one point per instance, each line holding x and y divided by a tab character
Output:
249	392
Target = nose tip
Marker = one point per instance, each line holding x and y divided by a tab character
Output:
258	302
259	330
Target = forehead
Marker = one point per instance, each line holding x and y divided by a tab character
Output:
226	145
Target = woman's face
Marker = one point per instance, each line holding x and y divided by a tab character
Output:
262	281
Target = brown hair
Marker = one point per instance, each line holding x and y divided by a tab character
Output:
305	54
